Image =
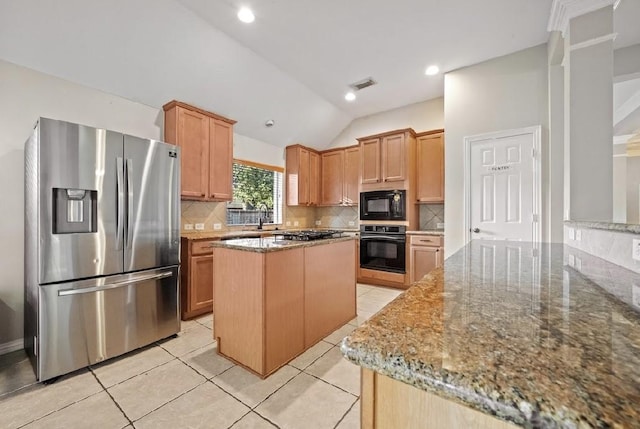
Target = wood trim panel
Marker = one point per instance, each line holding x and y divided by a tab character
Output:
367	399
284	307
388	133
259	165
400	405
382	275
428	133
175	103
329	289
238	306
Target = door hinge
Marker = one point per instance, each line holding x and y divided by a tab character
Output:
533	153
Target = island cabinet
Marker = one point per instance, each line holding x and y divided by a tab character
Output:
302	176
271	304
387	160
389	404
340	177
425	254
196	277
206	144
430	167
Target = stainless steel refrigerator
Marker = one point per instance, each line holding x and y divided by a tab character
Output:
102	245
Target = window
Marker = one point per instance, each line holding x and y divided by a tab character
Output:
257	192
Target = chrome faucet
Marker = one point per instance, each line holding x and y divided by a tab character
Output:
262	214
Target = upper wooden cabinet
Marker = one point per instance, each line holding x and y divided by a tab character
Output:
340	177
385	159
303	176
430	166
206	143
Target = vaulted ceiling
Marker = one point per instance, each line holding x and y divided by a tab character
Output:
292	65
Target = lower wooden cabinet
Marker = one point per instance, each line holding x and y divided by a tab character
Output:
196	278
389	404
425	254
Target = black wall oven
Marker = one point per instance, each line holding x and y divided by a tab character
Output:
382	247
383	205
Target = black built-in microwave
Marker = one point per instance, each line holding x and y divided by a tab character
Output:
383	205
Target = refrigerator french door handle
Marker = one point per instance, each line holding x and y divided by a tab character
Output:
114	285
119	203
129	202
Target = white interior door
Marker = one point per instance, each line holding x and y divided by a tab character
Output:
502	186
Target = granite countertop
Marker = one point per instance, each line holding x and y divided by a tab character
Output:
427	232
542	336
273	244
608	226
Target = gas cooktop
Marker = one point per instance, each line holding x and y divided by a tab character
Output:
310	234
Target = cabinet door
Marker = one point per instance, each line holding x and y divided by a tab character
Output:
431	169
193	139
303	177
201	286
332	178
351	176
370	151
221	159
314	178
423	259
393	158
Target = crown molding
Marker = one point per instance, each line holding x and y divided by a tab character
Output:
562	11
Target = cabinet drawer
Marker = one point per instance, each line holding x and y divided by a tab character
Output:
201	247
425	240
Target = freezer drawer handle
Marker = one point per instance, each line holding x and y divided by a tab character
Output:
114	285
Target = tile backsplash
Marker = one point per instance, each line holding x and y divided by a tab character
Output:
431	215
210	213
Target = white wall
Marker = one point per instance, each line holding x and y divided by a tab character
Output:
26	95
423	116
499	94
626	62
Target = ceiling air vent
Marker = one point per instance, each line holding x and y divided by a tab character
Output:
365	83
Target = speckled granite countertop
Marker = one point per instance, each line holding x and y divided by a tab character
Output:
216	235
529	339
608	226
427	232
273	244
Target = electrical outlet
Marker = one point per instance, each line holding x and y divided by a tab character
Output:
217	226
296	223
440	225
352	223
199	226
578	263
578	234
288	223
188	227
572	261
572	233
318	222
636	249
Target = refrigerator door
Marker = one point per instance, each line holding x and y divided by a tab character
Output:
152	233
80	230
88	321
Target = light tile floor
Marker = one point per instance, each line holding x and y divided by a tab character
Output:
183	382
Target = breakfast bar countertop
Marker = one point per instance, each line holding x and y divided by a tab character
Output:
543	336
273	244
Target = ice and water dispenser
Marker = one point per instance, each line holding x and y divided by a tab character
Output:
74	210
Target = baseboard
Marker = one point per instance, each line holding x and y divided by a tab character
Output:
12	346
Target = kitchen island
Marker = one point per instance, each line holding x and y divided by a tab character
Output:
506	334
273	299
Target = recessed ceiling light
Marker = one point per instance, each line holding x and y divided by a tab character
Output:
432	70
349	96
246	15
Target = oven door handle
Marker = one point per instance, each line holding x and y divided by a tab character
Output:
383	237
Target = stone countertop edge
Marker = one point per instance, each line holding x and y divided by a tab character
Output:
264	245
427	232
404	342
607	226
